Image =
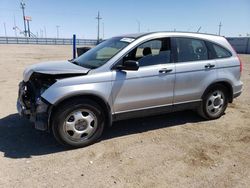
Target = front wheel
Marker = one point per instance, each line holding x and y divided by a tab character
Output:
78	123
214	103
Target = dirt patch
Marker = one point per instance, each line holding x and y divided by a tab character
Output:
199	158
245	139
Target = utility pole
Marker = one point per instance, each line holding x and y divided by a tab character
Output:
220	25
4	25
98	27
139	26
57	31
28	22
15	28
23	7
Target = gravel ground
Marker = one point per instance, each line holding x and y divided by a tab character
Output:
172	150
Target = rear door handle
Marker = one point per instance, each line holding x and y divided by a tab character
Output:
209	66
165	70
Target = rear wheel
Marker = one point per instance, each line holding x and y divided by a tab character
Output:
214	103
78	123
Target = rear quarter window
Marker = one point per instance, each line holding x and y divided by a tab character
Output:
221	52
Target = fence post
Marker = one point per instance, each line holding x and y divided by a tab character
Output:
74	46
247	47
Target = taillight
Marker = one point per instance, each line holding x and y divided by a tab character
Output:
241	65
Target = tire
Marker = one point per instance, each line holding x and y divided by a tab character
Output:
214	103
78	123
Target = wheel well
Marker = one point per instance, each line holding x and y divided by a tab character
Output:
224	84
98	100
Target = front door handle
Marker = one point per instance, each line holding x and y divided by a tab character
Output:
165	70
209	66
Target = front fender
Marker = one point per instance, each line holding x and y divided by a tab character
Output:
57	93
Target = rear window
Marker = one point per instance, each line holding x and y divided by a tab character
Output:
221	52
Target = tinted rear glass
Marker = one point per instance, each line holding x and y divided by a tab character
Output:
189	49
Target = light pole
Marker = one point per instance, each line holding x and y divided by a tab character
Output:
139	26
41	33
15	28
57	31
45	32
24	22
4	25
102	31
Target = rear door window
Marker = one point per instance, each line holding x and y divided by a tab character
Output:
189	49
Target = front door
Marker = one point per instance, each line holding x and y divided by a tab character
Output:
149	87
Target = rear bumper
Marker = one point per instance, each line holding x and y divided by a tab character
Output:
237	89
235	95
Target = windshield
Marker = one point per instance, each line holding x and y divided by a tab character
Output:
103	52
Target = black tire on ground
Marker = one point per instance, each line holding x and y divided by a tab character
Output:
64	110
203	110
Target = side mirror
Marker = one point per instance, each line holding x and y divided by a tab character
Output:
129	65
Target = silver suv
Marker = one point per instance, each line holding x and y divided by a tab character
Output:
130	76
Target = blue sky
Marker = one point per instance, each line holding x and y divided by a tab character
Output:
119	17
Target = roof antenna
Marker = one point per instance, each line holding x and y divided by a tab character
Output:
199	29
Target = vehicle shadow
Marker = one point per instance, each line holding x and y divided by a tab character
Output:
19	139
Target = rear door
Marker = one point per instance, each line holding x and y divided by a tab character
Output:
194	69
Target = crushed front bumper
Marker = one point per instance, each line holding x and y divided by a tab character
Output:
37	112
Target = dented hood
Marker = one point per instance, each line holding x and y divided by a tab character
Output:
54	68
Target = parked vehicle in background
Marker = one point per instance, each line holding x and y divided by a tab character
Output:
130	76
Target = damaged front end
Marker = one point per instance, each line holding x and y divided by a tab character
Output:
37	79
30	104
